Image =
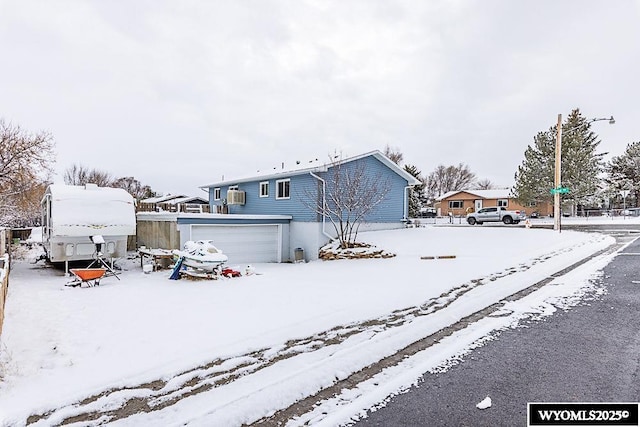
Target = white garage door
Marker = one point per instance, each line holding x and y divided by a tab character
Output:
242	243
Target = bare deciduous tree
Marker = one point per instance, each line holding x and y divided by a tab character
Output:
134	187
26	164
23	210
394	154
350	194
81	175
485	184
449	178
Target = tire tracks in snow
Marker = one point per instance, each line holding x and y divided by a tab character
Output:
120	403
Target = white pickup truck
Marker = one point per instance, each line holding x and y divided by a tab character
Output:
495	214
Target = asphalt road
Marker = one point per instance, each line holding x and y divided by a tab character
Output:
590	353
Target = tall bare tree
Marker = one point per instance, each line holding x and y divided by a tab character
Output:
80	175
394	154
134	187
485	184
350	194
449	178
26	164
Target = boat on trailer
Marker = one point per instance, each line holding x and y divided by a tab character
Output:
201	255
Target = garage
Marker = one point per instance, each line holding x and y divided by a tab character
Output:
243	238
243	243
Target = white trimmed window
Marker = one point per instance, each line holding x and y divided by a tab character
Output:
503	203
455	204
264	189
233	187
216	193
283	189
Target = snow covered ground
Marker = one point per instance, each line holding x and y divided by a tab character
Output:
242	348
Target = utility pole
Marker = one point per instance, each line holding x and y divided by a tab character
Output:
557	179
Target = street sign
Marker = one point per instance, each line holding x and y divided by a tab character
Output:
560	190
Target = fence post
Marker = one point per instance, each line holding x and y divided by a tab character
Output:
4	281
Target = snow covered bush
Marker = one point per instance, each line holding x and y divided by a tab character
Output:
337	250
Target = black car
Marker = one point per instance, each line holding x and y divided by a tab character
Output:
428	213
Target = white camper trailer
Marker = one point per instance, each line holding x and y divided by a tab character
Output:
73	214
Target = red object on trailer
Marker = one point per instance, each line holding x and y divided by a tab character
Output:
228	272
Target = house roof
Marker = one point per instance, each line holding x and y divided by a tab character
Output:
88	192
502	193
187	199
315	166
162	199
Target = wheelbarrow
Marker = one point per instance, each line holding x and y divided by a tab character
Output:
90	276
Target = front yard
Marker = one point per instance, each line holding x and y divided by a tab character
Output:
61	344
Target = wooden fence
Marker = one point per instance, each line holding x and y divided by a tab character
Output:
5	239
173	207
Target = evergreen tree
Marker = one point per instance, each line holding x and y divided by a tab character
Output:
416	192
581	165
624	172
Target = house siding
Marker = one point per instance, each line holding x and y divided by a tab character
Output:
305	190
392	208
468	204
300	186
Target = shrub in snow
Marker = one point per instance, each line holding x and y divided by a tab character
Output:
335	250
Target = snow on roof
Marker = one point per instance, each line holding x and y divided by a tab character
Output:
161	199
88	191
502	193
89	210
313	166
187	199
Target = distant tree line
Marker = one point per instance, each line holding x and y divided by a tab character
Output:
80	175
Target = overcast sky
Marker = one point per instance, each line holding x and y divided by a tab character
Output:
179	93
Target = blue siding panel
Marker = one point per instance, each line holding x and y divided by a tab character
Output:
231	220
391	209
305	190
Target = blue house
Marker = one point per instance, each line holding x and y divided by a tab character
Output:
269	217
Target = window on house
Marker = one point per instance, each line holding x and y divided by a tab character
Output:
233	187
532	204
503	203
264	189
216	193
283	188
455	204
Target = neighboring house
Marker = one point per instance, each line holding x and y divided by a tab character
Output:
464	201
174	203
267	217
